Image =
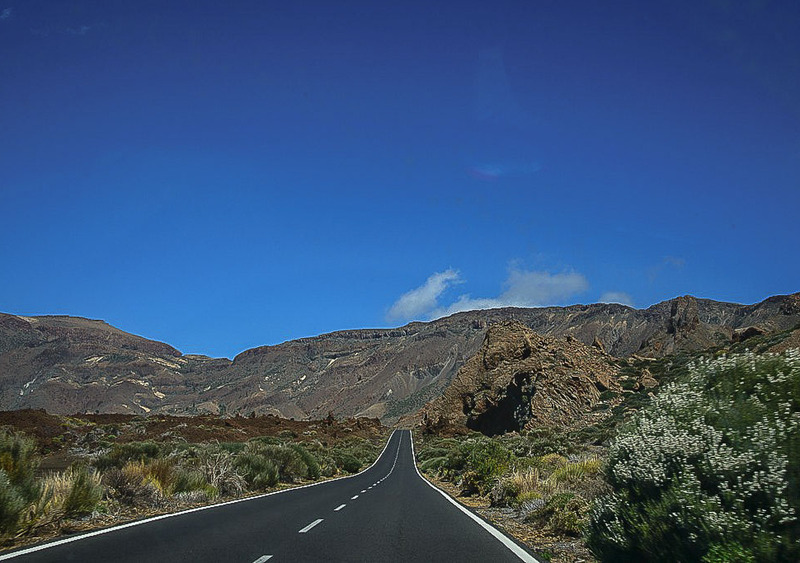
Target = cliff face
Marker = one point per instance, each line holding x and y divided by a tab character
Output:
68	364
520	379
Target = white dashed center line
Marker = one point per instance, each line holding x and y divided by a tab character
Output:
364	491
307	528
354	498
263	558
338	508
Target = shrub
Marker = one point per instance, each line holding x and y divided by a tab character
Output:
163	473
433	452
12	505
347	462
19	461
232	447
519	483
580	478
541	441
189	480
134	485
120	454
259	472
483	461
575	474
433	464
363	451
220	473
312	465
85	491
328	466
550	462
563	513
289	462
711	468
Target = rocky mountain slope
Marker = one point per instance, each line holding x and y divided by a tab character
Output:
68	364
519	378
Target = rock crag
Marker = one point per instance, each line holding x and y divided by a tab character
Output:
520	379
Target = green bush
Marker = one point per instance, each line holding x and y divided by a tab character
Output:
85	492
12	505
354	453
290	464
312	465
19	461
539	442
232	447
258	471
163	472
347	462
120	454
482	460
327	464
433	464
187	480
432	452
563	513
724	553
710	469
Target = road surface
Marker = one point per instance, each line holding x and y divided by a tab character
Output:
386	513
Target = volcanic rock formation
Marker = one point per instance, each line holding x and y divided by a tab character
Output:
520	379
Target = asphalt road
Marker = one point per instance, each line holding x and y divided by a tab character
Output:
386	513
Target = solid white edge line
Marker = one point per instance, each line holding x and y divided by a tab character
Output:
498	535
263	558
307	528
36	548
338	508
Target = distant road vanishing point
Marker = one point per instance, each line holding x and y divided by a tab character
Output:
385	513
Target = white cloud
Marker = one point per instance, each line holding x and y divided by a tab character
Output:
617	297
522	289
5	14
418	302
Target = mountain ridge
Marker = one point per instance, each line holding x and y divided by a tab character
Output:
72	364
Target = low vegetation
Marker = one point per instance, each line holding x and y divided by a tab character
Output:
134	478
711	468
548	489
703	466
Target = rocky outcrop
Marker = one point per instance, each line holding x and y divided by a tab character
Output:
645	381
520	379
742	334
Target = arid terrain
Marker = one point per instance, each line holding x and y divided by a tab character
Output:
70	365
516	411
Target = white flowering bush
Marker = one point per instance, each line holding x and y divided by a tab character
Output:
710	470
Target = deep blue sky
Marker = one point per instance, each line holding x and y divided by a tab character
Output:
221	175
